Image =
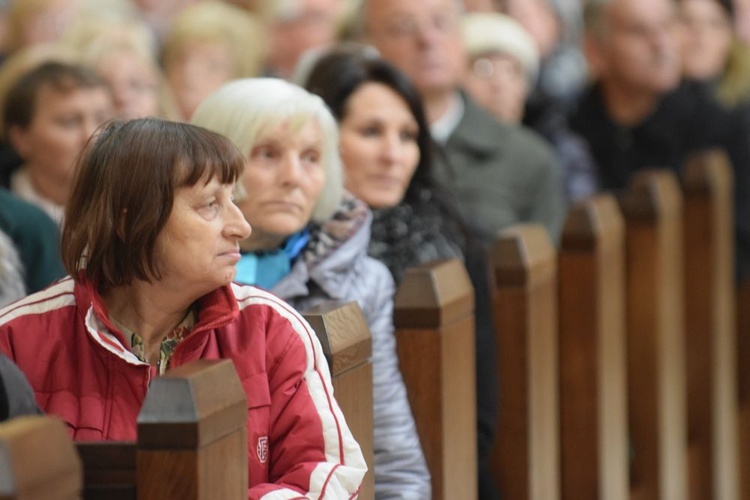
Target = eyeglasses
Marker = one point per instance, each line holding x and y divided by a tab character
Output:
504	66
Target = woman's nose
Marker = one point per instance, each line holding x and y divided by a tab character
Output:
237	226
392	147
291	168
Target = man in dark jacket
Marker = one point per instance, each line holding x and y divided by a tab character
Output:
638	114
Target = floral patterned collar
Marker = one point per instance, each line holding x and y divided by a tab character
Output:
168	344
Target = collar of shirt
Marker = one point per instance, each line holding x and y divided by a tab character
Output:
442	129
168	344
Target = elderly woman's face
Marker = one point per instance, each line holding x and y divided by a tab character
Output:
199	245
378	145
499	83
283	179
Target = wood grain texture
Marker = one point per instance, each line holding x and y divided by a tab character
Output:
108	469
434	320
593	395
192	434
743	385
38	460
710	327
343	332
525	459
652	207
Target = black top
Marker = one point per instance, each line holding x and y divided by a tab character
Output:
686	120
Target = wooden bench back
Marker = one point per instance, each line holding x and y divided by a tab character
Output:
38	460
652	207
525	459
192	441
743	385
710	326
434	320
593	395
347	344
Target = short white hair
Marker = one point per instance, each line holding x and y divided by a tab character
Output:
246	109
486	33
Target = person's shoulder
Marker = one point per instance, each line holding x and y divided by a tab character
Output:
57	296
249	295
255	302
15	212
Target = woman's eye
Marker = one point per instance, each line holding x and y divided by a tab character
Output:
311	157
370	131
408	135
264	152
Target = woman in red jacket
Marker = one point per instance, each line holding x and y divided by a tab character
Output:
151	242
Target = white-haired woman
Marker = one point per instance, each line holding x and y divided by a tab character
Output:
309	243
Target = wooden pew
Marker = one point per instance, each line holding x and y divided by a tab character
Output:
434	320
743	385
652	207
593	397
192	441
525	459
345	337
38	460
710	327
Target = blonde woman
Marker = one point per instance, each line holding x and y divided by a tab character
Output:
124	52
209	44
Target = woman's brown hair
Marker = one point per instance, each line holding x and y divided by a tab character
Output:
124	191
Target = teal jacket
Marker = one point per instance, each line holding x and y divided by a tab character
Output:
36	237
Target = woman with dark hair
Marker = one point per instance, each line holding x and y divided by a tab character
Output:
151	243
385	147
396	183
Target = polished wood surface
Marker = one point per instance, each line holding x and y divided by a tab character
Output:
38	460
593	395
652	207
192	441
525	459
347	344
192	434
710	327
434	320
743	385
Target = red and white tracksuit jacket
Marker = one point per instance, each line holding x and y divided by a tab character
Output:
77	364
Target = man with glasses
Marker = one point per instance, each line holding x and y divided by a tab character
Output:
501	174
